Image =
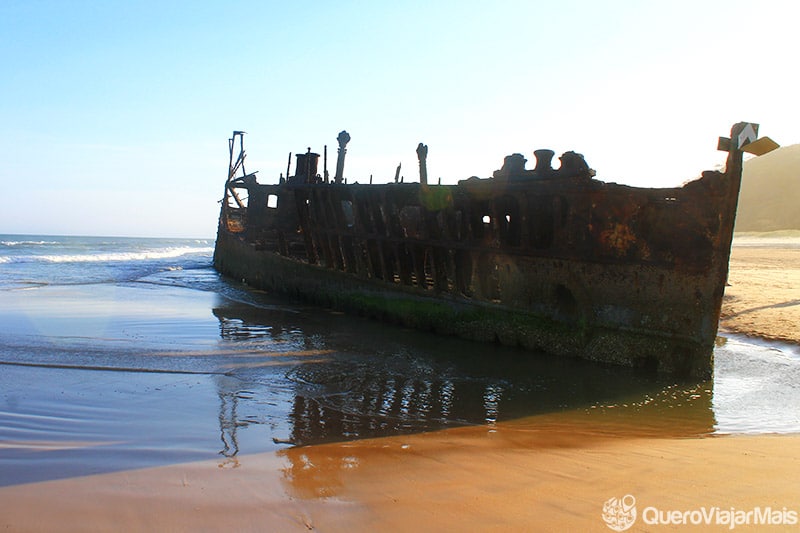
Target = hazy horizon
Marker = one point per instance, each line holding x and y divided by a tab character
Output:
116	116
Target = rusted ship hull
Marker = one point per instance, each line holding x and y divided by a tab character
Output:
545	259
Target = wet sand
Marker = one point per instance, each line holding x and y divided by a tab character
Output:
465	479
550	472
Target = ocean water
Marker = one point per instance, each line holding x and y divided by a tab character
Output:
35	260
120	352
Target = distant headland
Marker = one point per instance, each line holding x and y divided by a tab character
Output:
770	195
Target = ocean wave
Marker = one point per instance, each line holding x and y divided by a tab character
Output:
28	243
110	257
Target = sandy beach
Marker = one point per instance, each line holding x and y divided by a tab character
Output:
763	296
547	472
468	479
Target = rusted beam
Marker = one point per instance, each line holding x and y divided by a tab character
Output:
236	197
343	139
422	155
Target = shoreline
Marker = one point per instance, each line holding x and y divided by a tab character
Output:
549	472
429	481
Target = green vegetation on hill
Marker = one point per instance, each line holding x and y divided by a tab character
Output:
770	196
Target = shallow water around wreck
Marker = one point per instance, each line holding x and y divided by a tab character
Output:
140	354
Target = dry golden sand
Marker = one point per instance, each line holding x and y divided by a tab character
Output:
514	478
763	299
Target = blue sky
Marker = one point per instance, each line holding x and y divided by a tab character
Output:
115	115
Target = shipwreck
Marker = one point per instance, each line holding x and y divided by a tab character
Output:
547	259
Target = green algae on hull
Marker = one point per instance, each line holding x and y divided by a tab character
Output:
475	321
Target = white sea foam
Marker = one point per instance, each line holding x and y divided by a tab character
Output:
107	257
124	256
27	243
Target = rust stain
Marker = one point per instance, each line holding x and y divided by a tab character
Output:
618	239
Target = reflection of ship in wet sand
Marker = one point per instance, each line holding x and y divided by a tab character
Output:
342	386
229	423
